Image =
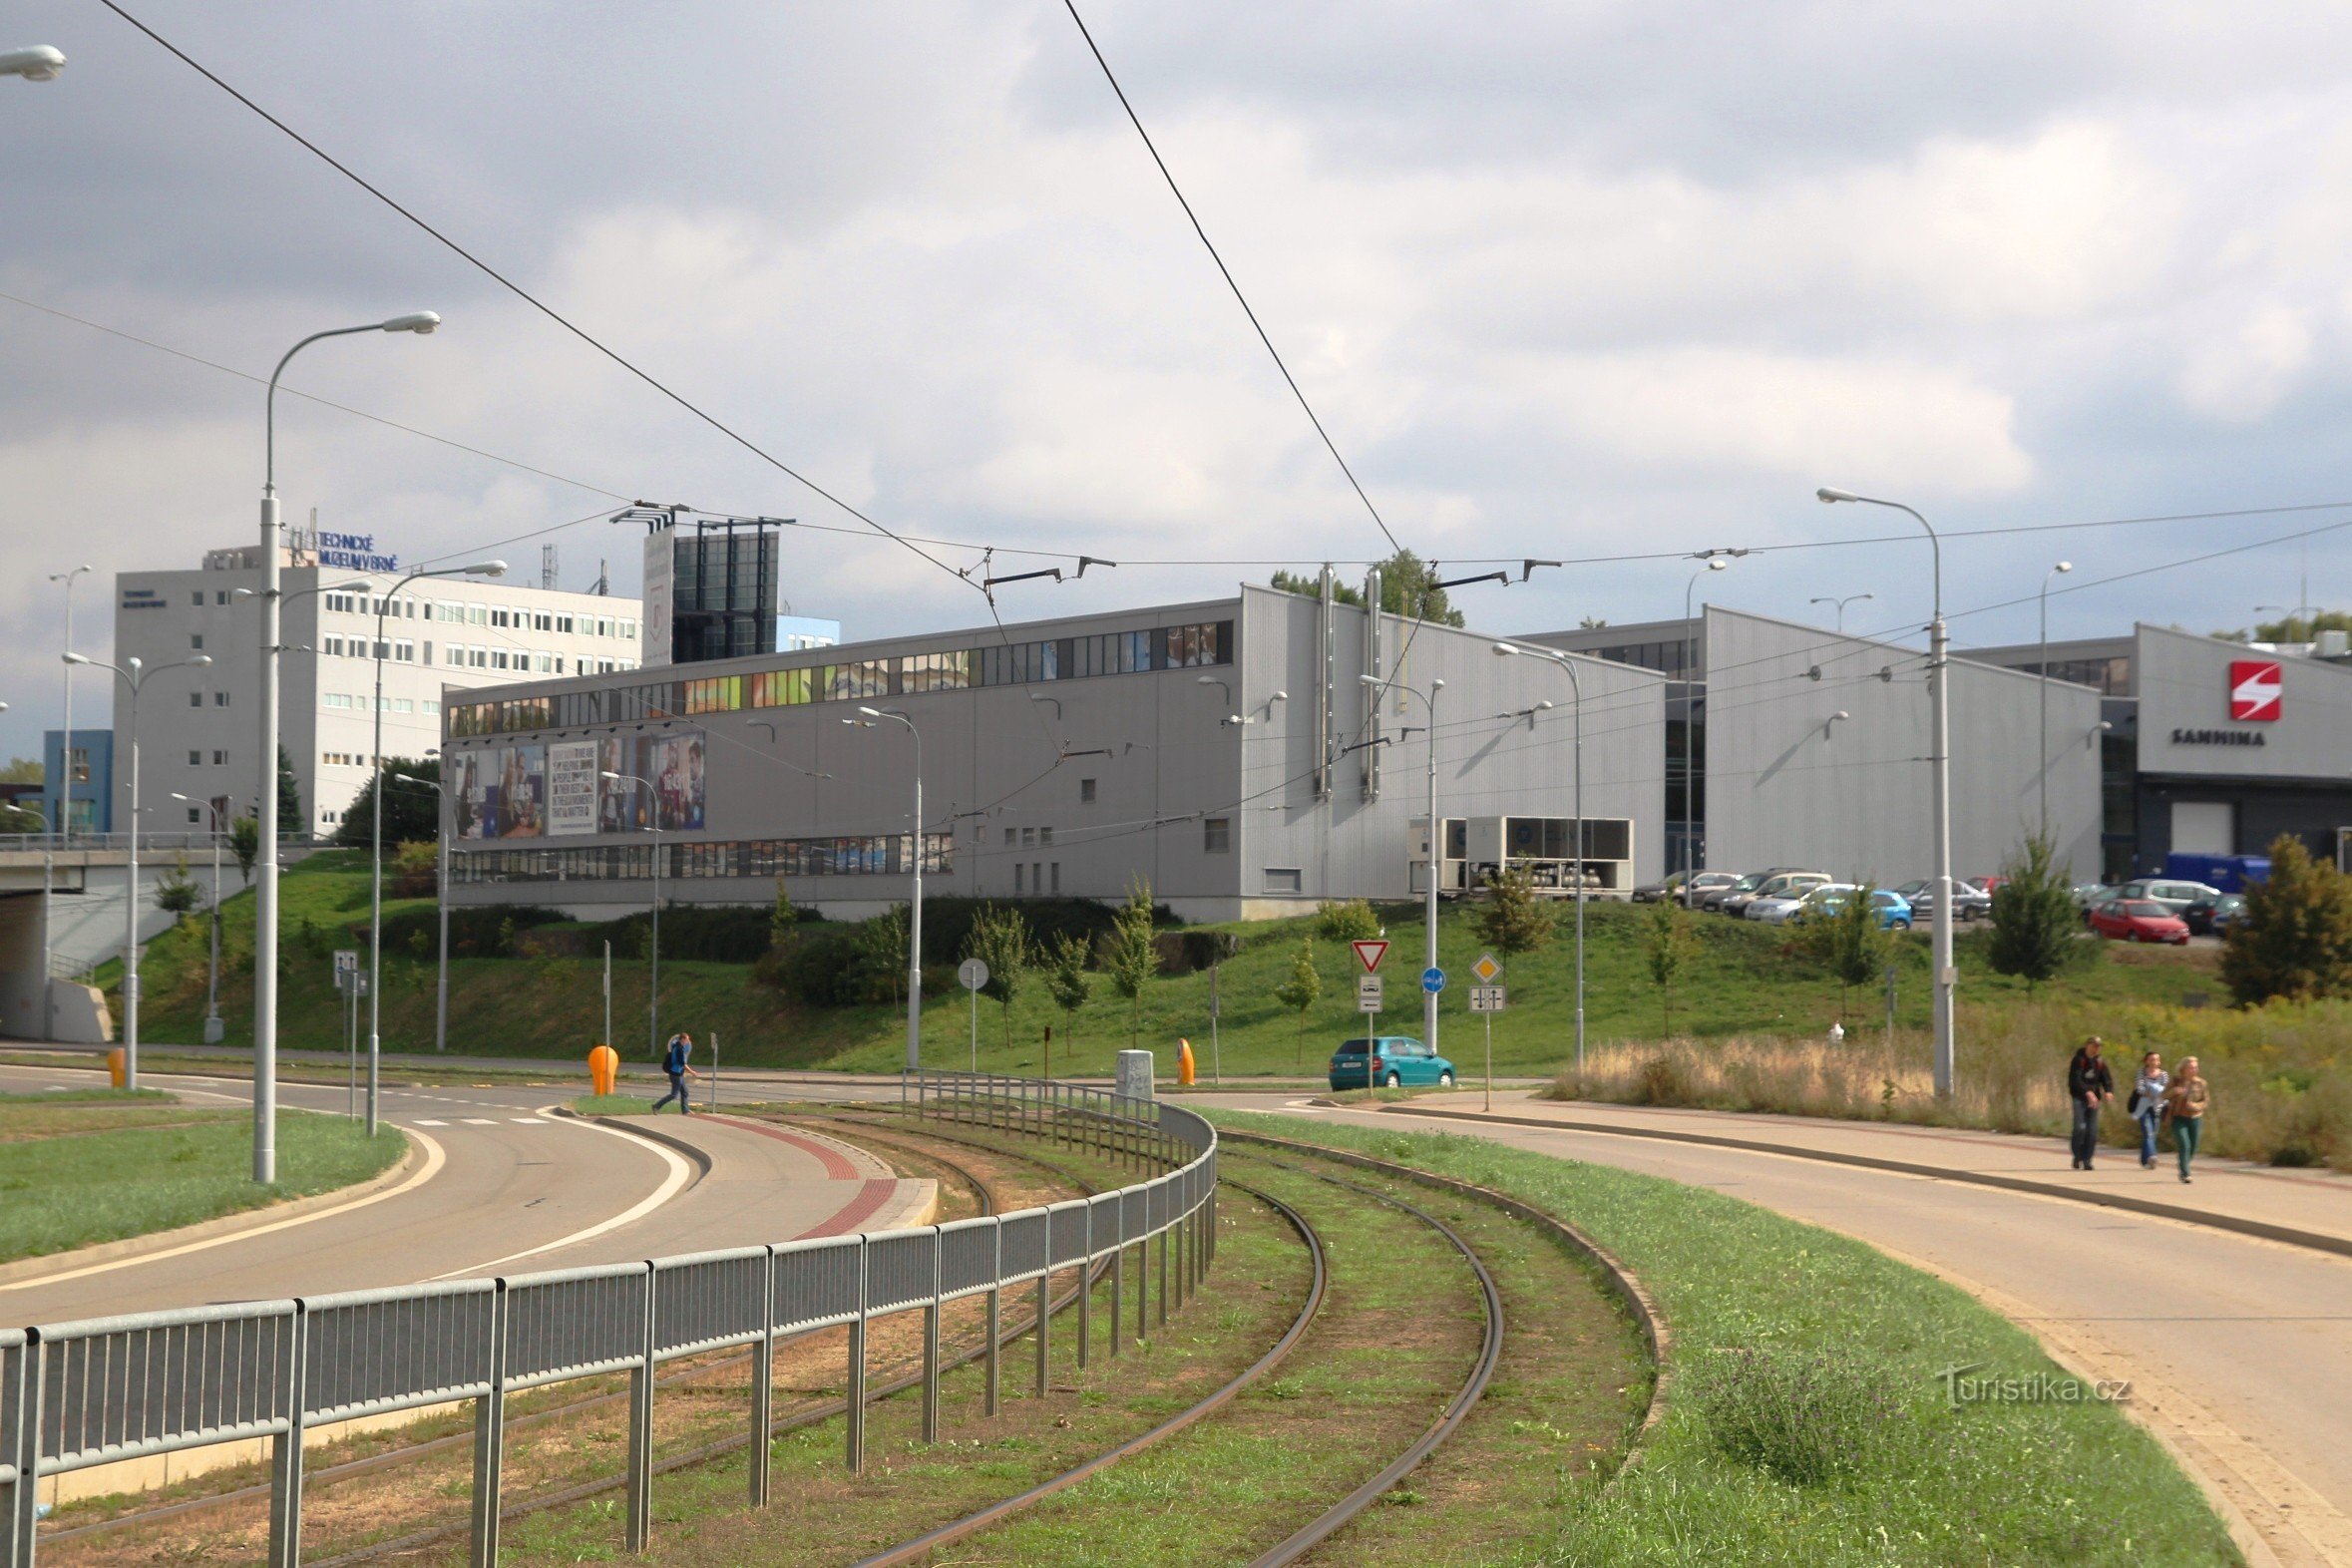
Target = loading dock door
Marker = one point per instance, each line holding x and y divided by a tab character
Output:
2205	827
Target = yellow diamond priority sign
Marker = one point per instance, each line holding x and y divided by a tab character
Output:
1486	968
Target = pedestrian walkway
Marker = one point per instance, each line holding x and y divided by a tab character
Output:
2306	1207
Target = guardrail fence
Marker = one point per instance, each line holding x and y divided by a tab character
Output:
77	1395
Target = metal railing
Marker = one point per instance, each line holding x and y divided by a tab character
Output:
77	1395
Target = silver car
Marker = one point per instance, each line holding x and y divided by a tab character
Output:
2174	895
1969	902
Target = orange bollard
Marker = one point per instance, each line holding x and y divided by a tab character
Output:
1184	1068
604	1069
113	1066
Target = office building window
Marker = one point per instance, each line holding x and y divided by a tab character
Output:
1283	879
1046	837
1057	868
1216	834
220	596
219	760
197	598
192	813
1086	792
1017	870
196	699
219	699
195	759
195	639
1028	835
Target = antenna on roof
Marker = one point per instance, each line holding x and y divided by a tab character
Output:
547	565
603	581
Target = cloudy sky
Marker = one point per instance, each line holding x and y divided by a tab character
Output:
1563	280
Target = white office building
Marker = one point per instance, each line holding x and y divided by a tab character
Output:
197	733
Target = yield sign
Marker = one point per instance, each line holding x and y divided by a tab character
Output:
1369	953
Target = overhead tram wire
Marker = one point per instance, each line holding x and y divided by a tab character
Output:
530	300
1227	274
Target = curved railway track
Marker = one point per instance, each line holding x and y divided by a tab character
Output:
410	1453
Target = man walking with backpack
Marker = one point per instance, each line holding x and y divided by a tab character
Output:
673	1062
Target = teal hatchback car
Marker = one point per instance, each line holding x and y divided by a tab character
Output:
1396	1061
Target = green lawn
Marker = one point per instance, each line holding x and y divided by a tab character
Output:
97	1167
1746	979
1920	1482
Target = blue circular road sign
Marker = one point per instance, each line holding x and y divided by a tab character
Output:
1432	979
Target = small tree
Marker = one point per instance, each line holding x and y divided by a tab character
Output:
176	892
289	796
1300	993
244	842
2037	929
1667	947
1851	944
1067	980
415	869
2295	938
1129	956
1347	920
999	937
1512	918
881	947
783	918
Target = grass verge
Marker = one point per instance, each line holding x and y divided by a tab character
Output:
156	1167
1907	1479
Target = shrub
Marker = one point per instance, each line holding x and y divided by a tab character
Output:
475	931
1808	1419
415	870
1512	918
1001	939
1299	993
1346	920
2295	938
821	967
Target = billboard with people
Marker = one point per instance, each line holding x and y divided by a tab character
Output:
533	791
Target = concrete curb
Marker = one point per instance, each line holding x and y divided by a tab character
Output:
2287	1235
23	1269
628	1126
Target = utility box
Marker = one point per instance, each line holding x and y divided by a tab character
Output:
1477	848
1135	1075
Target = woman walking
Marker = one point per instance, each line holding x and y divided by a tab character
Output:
2186	1102
2147	1105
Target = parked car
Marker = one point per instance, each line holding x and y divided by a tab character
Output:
2090	892
2213	917
1396	1060
2174	893
1672	887
1712	897
1735	901
1969	902
1824	903
1790	885
2139	919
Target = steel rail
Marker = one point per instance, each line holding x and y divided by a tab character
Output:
1308	1309
1344	1512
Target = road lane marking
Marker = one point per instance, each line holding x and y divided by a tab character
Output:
428	1122
529	1121
479	1121
680	1176
434	1160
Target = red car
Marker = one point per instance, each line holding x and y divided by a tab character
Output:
2137	919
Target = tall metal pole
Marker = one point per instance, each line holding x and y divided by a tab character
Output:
1437	857
653	979
131	903
1715	562
1940	771
914	910
1575	687
441	982
2041	671
265	812
63	823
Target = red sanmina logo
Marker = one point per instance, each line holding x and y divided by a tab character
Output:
2254	687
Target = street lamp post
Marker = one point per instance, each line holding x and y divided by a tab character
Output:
654	977
375	896
1717	561
213	979
1940	771
1850	598
135	677
63	826
914	910
265	802
1576	688
2042	669
441	881
1434	857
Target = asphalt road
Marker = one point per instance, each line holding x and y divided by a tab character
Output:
2239	1349
503	1188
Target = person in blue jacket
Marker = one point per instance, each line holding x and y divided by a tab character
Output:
673	1062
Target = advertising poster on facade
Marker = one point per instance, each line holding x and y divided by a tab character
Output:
617	810
522	792
473	801
672	764
571	787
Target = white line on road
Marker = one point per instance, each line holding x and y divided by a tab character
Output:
681	1174
423	1121
434	1159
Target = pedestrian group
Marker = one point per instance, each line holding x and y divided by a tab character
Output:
2157	1097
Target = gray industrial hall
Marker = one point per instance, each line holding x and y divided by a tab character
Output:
1812	748
1226	753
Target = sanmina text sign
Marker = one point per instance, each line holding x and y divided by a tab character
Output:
354	552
